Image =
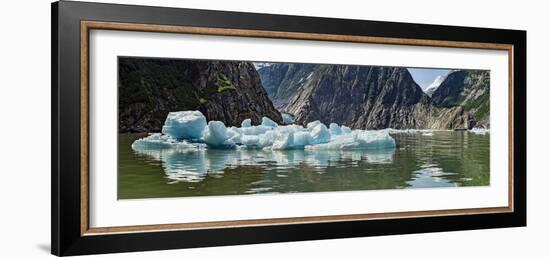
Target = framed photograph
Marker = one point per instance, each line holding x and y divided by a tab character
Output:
178	128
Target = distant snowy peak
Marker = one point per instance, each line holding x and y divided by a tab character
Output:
435	84
259	65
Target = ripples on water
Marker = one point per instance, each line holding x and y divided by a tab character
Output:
420	160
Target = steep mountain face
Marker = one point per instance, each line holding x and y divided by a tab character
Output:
430	89
282	80
467	88
221	90
368	97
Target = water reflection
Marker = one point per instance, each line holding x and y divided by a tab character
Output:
431	176
442	159
196	165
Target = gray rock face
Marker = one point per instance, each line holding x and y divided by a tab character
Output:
359	96
222	90
452	118
282	80
467	88
374	97
368	97
430	91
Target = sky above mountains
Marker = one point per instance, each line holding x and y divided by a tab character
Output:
425	76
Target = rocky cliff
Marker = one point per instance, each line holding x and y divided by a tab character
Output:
282	80
222	90
469	89
366	97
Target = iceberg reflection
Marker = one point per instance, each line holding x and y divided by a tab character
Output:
194	165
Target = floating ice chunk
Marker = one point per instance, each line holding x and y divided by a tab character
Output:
375	139
266	139
157	141
246	123
184	125
283	141
479	131
320	134
250	141
335	129
427	134
268	122
409	131
184	155
234	135
301	139
287	118
292	128
289	137
258	141
216	135
312	125
180	132
255	130
347	142
154	141
358	139
346	130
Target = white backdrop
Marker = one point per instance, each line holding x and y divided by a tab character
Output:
25	103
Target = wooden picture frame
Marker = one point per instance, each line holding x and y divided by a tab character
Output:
71	25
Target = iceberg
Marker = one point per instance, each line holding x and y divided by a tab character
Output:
250	140
268	122
346	130
267	139
184	125
479	131
312	125
283	141
302	138
246	123
216	135
187	146
254	130
358	139
412	131
289	140
234	134
157	141
257	142
375	139
188	131
320	134
335	129
287	118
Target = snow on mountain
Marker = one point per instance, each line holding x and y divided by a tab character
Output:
430	89
259	65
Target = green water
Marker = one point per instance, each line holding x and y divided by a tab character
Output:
440	159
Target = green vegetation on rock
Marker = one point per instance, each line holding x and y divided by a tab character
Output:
224	84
